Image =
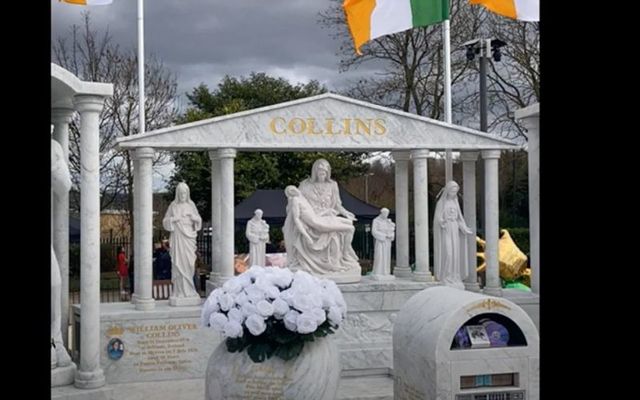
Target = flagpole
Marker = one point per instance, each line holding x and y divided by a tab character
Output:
446	39
141	66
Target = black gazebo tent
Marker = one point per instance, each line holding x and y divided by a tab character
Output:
273	204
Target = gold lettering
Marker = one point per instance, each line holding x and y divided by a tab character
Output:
272	125
346	123
329	126
311	124
366	128
292	125
379	129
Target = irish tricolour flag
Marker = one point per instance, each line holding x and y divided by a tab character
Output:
523	10
370	19
88	2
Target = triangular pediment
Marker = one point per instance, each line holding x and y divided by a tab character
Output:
324	122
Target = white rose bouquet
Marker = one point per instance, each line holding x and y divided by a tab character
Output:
273	311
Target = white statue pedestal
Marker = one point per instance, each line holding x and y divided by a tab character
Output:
382	277
184	301
342	278
61	376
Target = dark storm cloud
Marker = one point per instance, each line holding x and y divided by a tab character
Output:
203	40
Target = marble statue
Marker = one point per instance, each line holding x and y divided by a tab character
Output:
257	232
322	192
183	221
383	230
317	239
60	184
449	238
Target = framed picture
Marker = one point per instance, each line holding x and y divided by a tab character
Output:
478	336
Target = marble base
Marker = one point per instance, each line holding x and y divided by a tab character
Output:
364	338
382	277
166	343
343	278
528	301
349	388
402	272
184	301
73	393
62	376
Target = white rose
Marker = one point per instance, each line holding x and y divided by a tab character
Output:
320	315
306	323
287	296
210	306
291	320
217	321
303	279
282	277
244	280
272	292
232	286
255	324
280	308
236	315
248	309
263	280
264	308
255	271
226	302
241	298
232	329
335	316
254	293
303	302
327	300
216	293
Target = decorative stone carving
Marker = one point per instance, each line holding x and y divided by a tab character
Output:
318	244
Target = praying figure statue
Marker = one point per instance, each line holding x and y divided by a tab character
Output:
383	230
183	221
257	232
449	238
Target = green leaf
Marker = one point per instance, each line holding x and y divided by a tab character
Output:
259	352
308	337
290	351
236	344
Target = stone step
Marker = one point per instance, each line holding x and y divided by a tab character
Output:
379	387
351	388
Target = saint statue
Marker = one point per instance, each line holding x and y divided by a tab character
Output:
183	221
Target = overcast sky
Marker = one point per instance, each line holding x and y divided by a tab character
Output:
203	40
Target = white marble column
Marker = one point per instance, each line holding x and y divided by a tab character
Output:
469	210
136	225
491	212
144	299
421	215
402	269
227	222
530	117
61	117
215	215
89	374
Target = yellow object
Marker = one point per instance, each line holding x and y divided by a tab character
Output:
512	261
